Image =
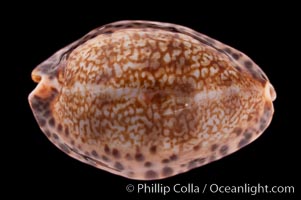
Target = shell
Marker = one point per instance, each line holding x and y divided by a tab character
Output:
149	100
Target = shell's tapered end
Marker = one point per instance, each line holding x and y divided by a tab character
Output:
270	92
43	98
35	77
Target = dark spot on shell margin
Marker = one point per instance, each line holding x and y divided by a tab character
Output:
128	156
153	149
148	164
66	131
224	150
59	127
115	153
51	122
94	153
248	64
196	147
235	56
237	131
173	157
55	136
64	148
227	50
192	164
243	142
119	166
107	149
47	113
105	158
139	157
167	171
248	135
150	174
201	160
214	147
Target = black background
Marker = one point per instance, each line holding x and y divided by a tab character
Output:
266	33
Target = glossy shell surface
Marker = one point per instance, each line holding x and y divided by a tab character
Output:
149	100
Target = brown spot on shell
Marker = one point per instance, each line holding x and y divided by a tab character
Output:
151	174
148	164
66	131
59	127
105	158
107	149
128	156
224	150
248	135
167	171
115	153
228	50
196	147
47	114
119	166
192	164
196	162
237	131
153	149
94	153
75	150
248	64
201	160
243	142
235	56
64	148
51	122
55	136
173	157
139	157
214	147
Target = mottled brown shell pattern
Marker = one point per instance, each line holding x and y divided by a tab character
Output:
149	100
